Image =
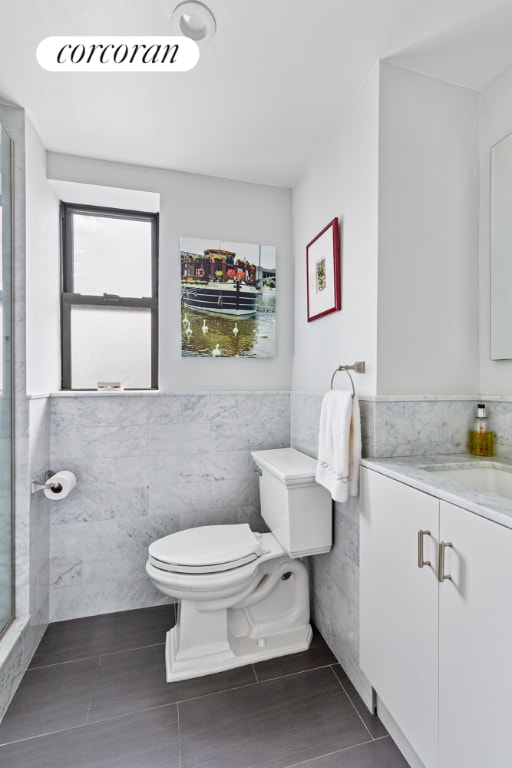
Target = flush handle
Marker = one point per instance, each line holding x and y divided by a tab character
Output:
259	471
442	576
421	561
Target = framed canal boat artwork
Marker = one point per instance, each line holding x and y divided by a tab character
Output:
228	298
323	272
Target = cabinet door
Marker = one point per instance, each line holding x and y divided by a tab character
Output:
399	608
475	651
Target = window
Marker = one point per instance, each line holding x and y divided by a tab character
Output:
109	297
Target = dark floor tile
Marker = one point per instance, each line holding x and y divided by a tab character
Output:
134	680
376	754
145	740
108	633
50	699
318	655
271	724
372	722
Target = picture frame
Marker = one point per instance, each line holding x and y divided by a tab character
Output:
228	298
323	272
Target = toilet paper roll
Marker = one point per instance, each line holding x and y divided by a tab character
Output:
60	485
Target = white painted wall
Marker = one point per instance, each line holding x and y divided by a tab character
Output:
341	180
42	277
495	124
400	171
428	236
204	206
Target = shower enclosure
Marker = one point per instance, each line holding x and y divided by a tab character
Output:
6	474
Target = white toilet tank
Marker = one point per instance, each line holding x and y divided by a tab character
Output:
297	510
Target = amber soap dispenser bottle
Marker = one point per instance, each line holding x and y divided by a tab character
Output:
481	438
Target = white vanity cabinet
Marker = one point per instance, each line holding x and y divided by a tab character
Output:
438	653
475	650
398	606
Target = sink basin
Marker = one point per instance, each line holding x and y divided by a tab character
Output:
490	479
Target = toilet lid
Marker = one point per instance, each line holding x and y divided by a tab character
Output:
207	549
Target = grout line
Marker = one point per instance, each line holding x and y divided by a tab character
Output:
328	754
215	693
179	733
297	672
353	705
129	714
255	682
93	691
83	725
95	655
41	735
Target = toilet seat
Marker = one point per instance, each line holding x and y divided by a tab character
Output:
207	549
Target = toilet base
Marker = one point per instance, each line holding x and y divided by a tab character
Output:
241	651
269	619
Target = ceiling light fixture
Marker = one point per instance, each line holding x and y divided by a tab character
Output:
194	20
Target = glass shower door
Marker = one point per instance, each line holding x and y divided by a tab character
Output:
6	507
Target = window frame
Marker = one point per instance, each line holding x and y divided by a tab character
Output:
70	299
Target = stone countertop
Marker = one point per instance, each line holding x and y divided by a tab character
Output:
413	471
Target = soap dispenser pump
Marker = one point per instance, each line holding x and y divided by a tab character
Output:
481	438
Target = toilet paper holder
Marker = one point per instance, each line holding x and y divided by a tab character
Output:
35	486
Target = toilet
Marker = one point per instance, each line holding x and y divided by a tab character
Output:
244	596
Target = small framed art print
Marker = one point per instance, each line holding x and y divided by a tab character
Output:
323	272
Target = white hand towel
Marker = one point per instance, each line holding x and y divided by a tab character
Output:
339	445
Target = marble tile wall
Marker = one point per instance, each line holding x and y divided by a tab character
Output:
406	426
500	421
148	465
305	419
335	575
417	427
392	427
151	464
420	427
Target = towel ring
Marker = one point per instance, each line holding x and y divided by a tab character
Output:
342	368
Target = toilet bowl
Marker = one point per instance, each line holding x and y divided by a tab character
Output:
244	596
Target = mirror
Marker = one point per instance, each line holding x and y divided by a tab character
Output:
501	249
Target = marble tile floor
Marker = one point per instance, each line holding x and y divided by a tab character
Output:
95	696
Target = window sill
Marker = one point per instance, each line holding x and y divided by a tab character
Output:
157	393
105	392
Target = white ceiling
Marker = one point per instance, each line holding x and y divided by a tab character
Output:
267	90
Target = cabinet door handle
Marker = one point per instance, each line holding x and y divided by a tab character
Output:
421	561
442	576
